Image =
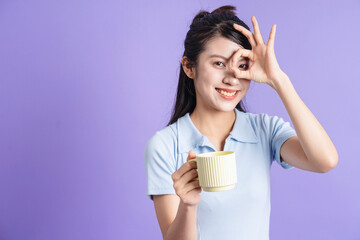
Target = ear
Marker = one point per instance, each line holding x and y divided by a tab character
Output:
188	69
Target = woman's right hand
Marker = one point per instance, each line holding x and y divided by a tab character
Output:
185	186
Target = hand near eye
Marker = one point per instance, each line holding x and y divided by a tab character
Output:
264	67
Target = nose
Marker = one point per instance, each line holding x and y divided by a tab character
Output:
230	78
231	81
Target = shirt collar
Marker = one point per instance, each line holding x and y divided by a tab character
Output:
191	138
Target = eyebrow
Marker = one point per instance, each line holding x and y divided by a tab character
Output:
219	56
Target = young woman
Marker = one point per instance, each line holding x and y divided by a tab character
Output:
220	60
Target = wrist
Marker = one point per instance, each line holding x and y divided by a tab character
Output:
280	82
188	207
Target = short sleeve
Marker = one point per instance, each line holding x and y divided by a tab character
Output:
280	131
159	165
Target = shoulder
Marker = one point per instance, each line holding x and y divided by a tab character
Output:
260	119
162	148
263	123
163	140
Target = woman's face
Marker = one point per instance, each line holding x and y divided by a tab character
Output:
215	84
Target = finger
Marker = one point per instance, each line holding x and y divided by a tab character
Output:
182	170
271	40
191	155
191	186
241	74
241	52
181	185
258	37
246	33
185	167
188	176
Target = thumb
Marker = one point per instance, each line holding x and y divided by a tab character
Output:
191	155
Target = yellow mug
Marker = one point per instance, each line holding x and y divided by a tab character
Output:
216	170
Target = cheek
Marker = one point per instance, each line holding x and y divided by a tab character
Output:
210	76
207	78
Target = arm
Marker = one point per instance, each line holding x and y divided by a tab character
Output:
176	214
176	220
312	148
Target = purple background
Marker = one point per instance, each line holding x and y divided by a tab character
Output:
85	84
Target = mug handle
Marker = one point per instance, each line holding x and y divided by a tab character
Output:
194	160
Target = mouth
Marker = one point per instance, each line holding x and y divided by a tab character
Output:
227	94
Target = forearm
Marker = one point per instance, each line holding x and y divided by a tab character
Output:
315	142
184	224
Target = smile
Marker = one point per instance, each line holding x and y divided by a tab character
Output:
229	94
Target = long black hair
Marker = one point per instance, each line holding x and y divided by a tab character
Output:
205	26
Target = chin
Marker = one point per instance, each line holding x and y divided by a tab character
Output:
226	108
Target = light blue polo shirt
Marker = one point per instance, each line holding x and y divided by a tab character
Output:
242	213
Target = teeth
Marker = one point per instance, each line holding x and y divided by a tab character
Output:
226	93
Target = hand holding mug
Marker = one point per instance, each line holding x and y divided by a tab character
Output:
185	183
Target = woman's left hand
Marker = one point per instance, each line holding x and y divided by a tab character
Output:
264	67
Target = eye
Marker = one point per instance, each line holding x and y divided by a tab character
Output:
244	66
218	63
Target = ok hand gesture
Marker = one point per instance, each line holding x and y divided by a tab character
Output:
264	67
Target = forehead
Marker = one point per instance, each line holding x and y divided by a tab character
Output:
220	46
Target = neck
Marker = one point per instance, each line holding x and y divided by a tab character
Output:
212	123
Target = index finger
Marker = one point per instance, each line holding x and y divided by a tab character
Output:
186	167
242	52
246	33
